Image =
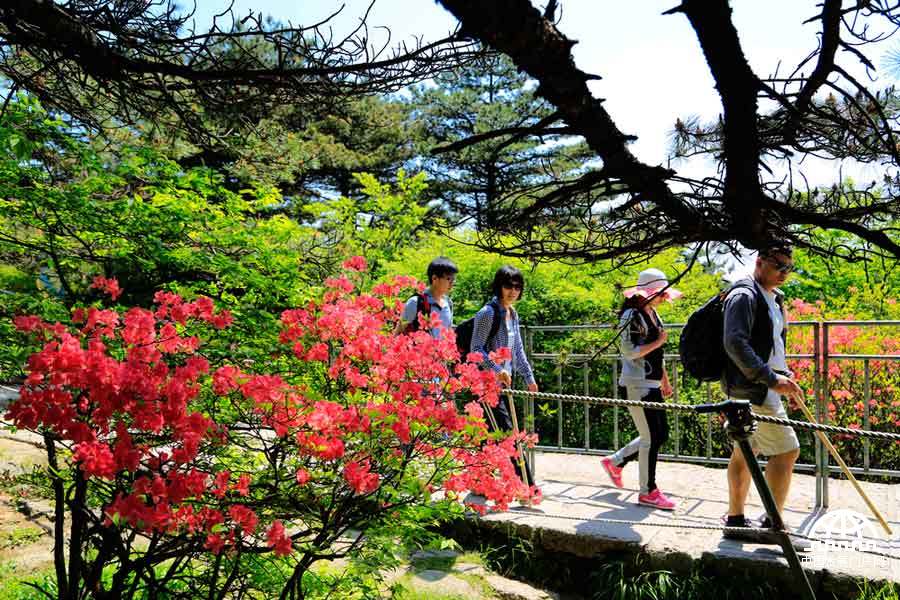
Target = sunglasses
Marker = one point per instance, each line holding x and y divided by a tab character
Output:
781	267
513	286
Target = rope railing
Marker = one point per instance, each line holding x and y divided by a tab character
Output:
599	401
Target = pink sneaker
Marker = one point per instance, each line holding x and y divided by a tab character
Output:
614	472
656	499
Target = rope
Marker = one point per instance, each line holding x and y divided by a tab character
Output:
597	401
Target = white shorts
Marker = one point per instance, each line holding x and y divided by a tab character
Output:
771	439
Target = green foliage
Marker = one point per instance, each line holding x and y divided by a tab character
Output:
20	536
17	583
847	290
614	582
381	220
69	212
488	95
885	591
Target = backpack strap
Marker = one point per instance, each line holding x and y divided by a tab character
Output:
423	306
495	323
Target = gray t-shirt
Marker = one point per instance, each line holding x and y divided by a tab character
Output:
445	312
778	357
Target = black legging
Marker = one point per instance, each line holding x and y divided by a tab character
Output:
657	423
504	422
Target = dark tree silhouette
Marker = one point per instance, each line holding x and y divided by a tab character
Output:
119	62
135	59
740	201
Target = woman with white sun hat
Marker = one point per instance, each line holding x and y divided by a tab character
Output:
643	377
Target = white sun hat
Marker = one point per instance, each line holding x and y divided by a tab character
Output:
650	282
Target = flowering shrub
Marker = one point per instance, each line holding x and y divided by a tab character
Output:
846	379
164	457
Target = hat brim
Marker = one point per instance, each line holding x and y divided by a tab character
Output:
670	293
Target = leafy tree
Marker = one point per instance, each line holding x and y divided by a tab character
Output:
70	212
487	140
78	56
867	289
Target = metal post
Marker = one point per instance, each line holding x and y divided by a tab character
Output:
820	406
708	424
677	420
867	398
559	411
587	409
826	394
529	402
615	395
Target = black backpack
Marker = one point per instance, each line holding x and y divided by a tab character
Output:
700	346
465	330
423	307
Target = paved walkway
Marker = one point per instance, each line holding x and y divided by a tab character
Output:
577	494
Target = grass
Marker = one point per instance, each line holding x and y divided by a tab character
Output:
446	563
14	582
869	591
612	583
406	589
20	536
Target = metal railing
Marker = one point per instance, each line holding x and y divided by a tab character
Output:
821	390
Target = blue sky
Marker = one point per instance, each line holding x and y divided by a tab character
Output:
652	67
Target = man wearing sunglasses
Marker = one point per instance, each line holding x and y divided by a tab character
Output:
755	326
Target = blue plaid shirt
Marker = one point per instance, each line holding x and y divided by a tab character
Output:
507	336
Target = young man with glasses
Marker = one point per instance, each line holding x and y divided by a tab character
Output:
755	327
434	299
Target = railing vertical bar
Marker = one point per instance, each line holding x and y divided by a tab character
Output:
677	414
529	402
708	423
587	408
867	398
817	393
615	395
823	399
559	411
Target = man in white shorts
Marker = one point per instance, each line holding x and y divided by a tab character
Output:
755	325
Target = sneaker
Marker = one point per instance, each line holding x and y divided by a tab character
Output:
743	536
800	544
614	472
762	535
764	521
656	499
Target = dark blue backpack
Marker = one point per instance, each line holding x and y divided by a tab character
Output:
465	330
700	346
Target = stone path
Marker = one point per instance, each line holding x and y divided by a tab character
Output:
577	495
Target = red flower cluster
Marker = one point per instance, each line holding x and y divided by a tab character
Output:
278	539
847	378
116	379
360	406
360	477
110	286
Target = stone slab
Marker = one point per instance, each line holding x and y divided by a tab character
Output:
584	515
